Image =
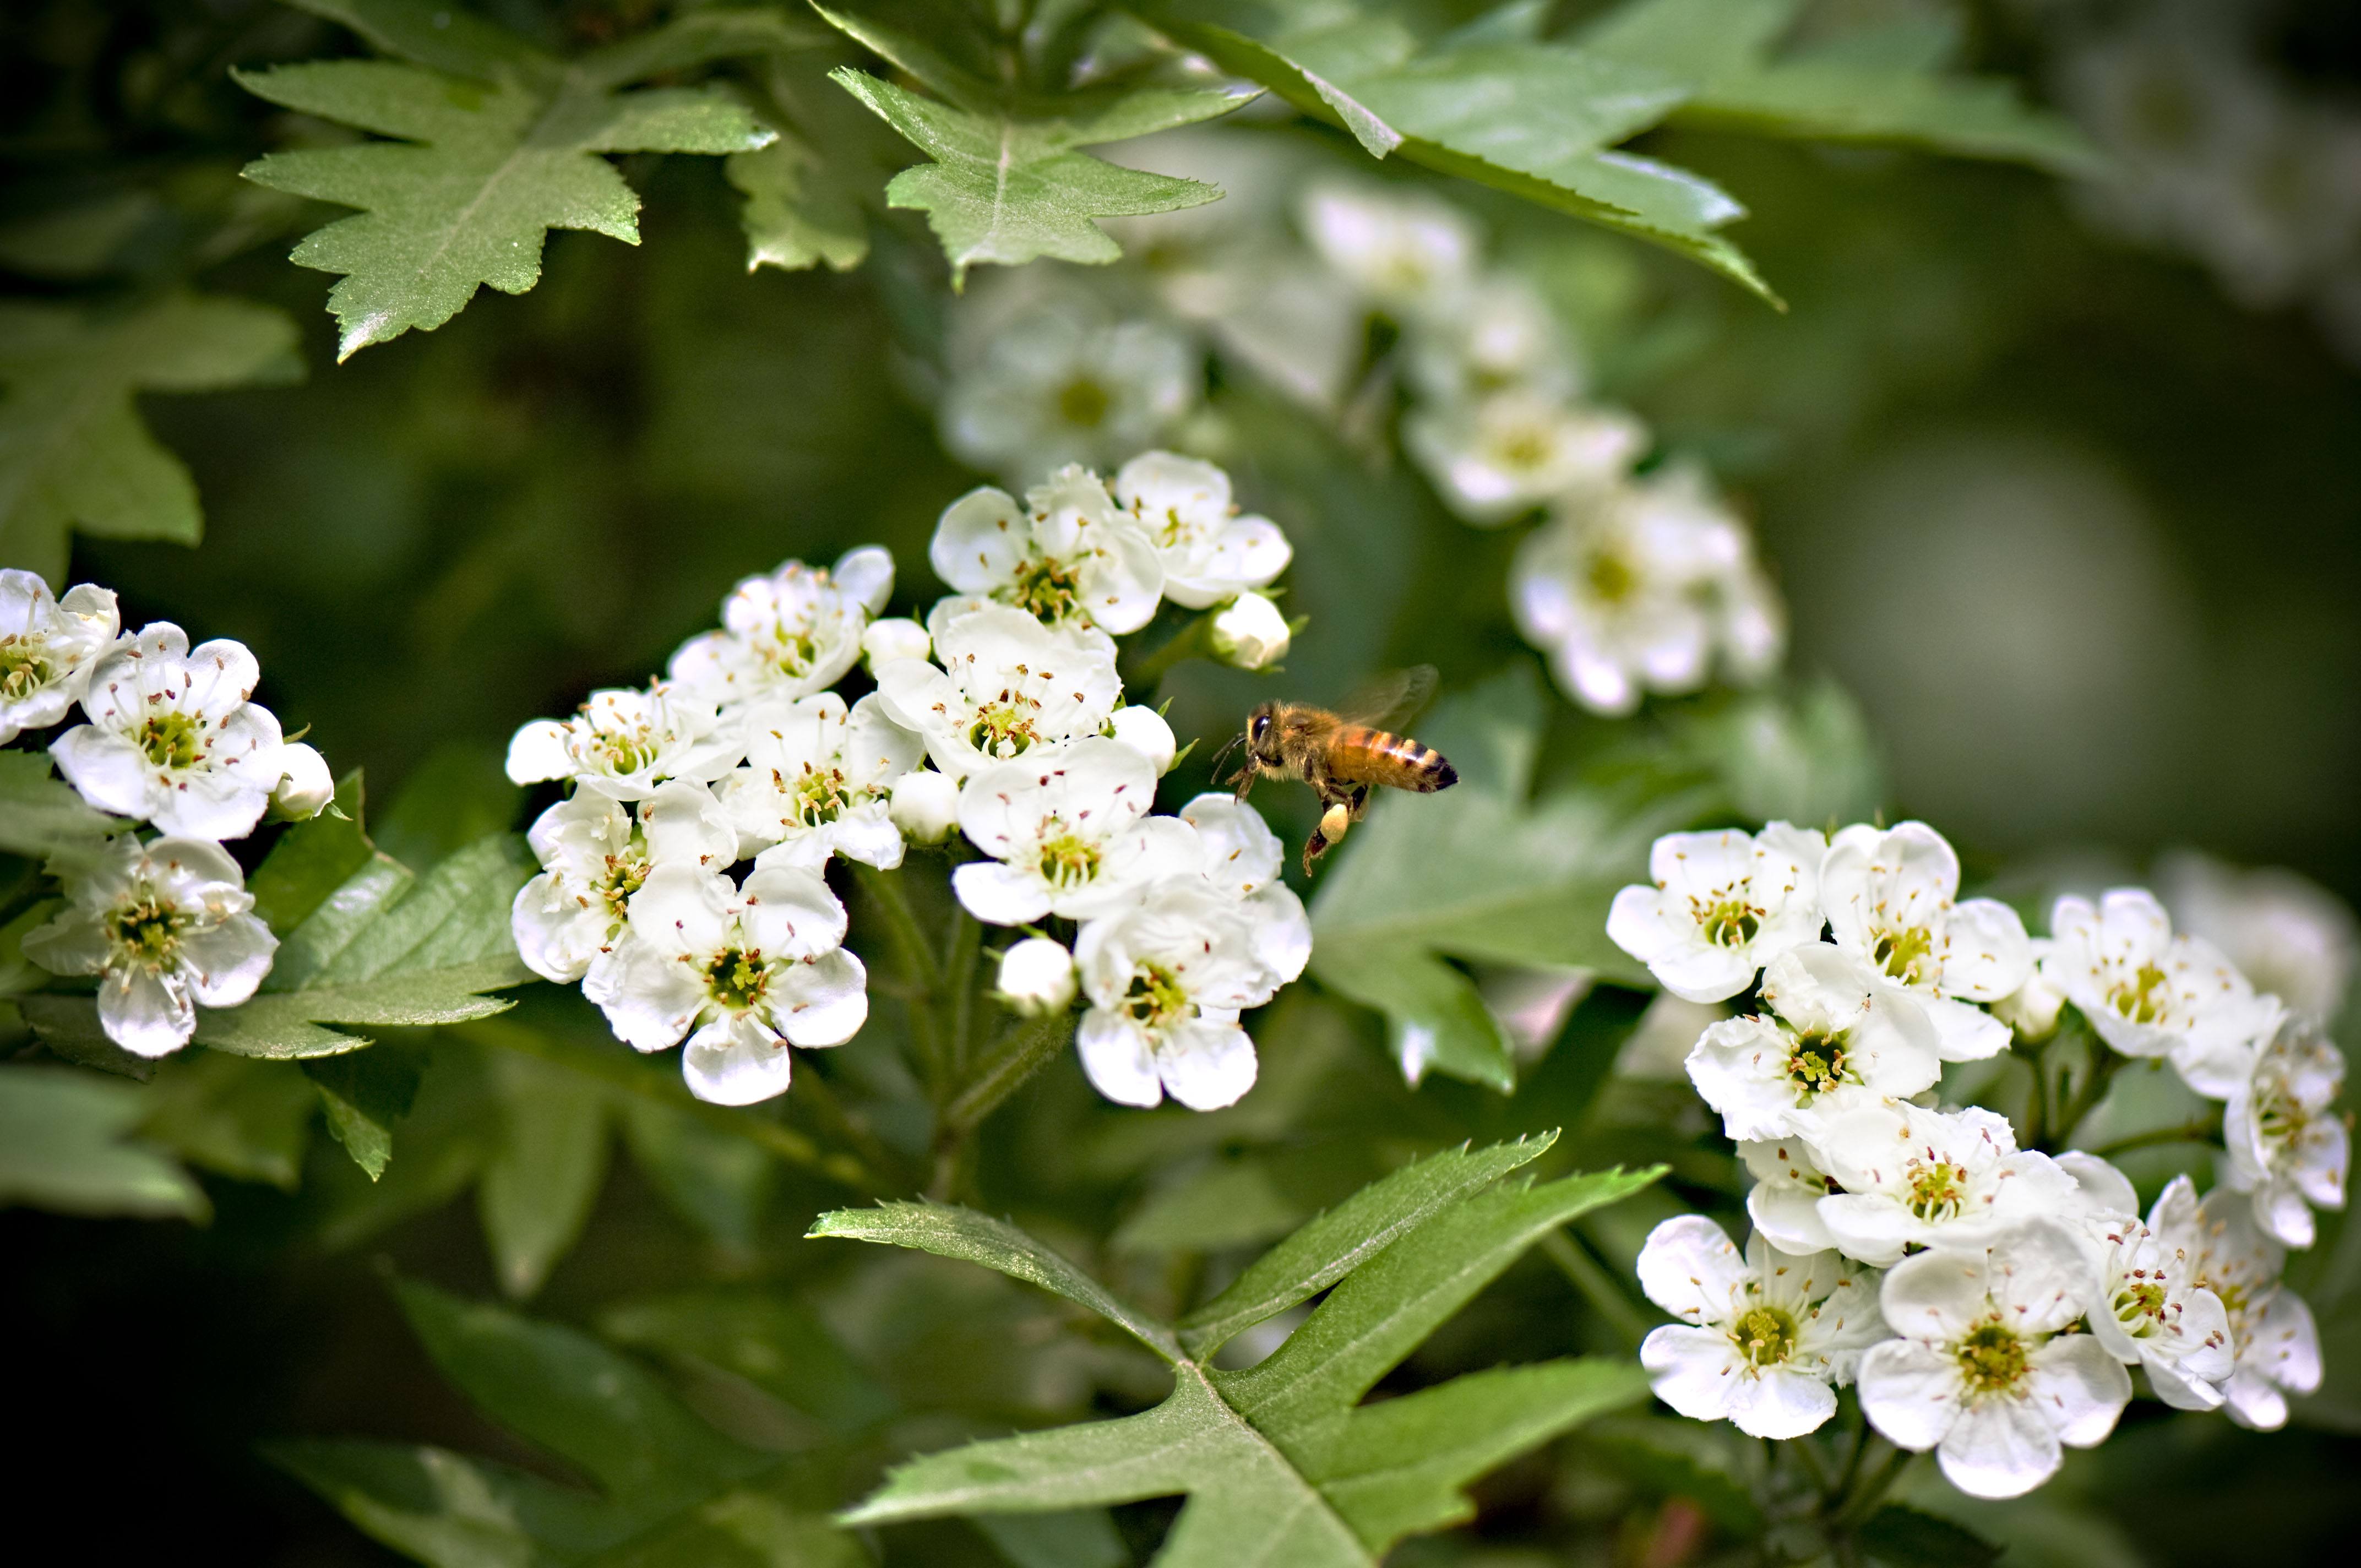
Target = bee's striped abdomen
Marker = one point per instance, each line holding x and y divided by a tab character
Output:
1362	755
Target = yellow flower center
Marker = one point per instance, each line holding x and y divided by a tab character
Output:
738	979
1902	953
1612	579
1069	861
2143	999
146	931
173	740
23	665
1732	923
1936	1190
1765	1337
1817	1064
1157	996
1083	403
1991	1359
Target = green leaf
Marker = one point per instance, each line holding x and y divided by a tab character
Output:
1478	872
496	145
772	1341
669	1488
1085	1538
459	792
1805	757
537	1192
1881	84
1279	1463
311	859
1229	1204
1685	1459
1348	1235
249	1119
366	1092
795	216
721	1184
64	1146
1902	1536
74	452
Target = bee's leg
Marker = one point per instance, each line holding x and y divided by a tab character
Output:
1314	848
1359	803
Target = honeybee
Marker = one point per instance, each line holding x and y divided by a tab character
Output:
1341	755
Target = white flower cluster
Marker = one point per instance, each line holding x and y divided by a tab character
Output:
1986	1299
1010	691
169	739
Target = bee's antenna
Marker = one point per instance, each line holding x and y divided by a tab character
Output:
1232	744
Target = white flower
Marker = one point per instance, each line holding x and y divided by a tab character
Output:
895	637
1504	454
624	744
1841	1038
1760	1338
594	857
1166	979
2151	993
925	807
1145	732
1242	856
788	634
817	781
168	927
47	647
1985	1373
2287	1143
2287	935
1069	835
1409	254
1061	383
1952	1181
1891	898
1009	686
2277	1346
305	786
1210	553
1067	555
1251	634
1497	334
1785	1200
1628	592
753	970
171	737
1723	905
1037	978
2149	1310
2031	1010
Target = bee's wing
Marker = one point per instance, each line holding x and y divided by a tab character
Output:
1390	700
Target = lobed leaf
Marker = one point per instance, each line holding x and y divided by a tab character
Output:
794	216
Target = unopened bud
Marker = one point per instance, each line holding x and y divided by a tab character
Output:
1037	978
925	807
1144	730
306	788
896	638
1251	634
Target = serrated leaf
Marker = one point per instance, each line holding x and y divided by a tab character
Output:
536	1194
496	145
1007	190
74	452
246	1119
1278	1462
669	1488
793	216
366	1092
1480	872
65	1145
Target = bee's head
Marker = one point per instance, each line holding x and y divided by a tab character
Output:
1258	724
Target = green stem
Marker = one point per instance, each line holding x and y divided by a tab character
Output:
1870	1486
815	1093
2037	1112
2104	1065
924	979
1192	640
958	981
1029	1047
1597	1286
2203	1132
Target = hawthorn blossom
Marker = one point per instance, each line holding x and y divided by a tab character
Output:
172	738
2149	1310
2288	1146
1839	1038
1069	835
1059	382
1914	1178
1497	334
1143	730
924	805
1008	687
47	647
1210	553
1067	555
167	927
787	634
1037	978
1723	905
1763	1338
752	970
1241	857
1409	254
2287	933
1500	455
2271	1331
626	744
2151	993
1892	901
1166	980
594	856
894	637
1987	1371
817	781
1783	1203
305	786
1251	634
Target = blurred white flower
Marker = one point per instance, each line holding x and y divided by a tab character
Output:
1067	555
1841	1038
1763	1338
925	807
1145	732
172	738
1892	901
1499	456
894	637
1251	634
47	647
1723	905
2271	1329
2151	993
594	857
305	786
2031	1010
2287	933
1498	333
624	744
817	782
1069	834
1166	978
1037	978
1210	553
788	634
1407	253
1986	1373
167	927
1913	1178
752	970
1008	687
1059	382
2287	1144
